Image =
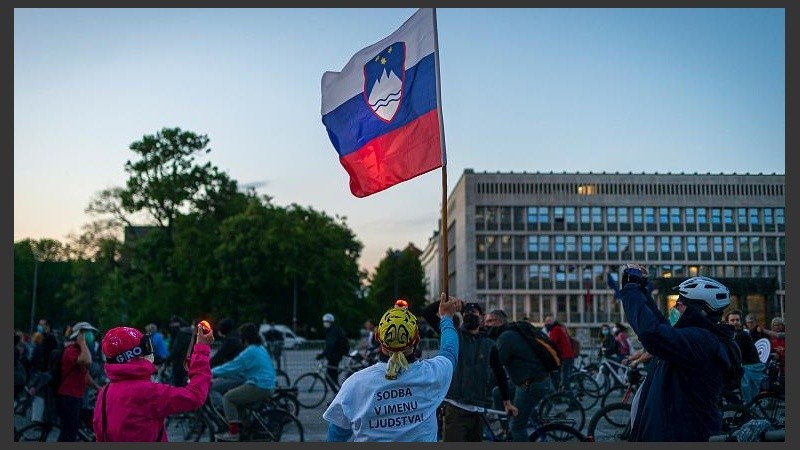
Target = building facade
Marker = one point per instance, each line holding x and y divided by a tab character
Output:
538	244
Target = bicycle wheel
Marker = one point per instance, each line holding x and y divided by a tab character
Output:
282	379
585	388
37	432
614	394
562	407
287	402
274	425
610	423
770	406
311	390
556	432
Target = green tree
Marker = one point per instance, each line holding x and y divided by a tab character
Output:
398	275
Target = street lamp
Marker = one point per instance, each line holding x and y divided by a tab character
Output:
395	258
36	256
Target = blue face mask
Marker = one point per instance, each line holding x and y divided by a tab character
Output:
89	338
605	332
40	328
674	315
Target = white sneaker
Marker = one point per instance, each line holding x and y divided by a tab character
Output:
227	437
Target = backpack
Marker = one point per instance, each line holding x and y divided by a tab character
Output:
576	346
732	377
54	368
541	344
344	345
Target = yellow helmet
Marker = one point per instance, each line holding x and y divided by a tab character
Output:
397	330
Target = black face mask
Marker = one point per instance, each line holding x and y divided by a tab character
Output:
549	326
471	322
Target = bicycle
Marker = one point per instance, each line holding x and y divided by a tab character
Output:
633	379
611	422
263	421
611	374
313	387
357	361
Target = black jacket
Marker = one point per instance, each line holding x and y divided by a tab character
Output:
230	347
333	344
679	396
478	369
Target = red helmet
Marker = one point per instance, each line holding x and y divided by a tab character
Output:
122	344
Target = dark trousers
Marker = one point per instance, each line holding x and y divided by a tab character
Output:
461	426
69	412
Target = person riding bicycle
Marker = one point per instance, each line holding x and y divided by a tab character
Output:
692	360
395	399
524	368
336	346
472	383
131	407
254	366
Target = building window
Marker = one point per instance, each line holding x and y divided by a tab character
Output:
623	214
544	215
650	243
753	216
716	216
623	243
729	244
596	215
741	216
533	244
638	243
649	215
612	245
768	216
597	243
755	243
677	245
637	215
663	216
558	214
611	214
744	244
702	243
779	216
664	244
728	214
533	275
717	244
544	243
702	217
586	244
559	244
569	212
532	217
675	215
585	215
691	244
689	215
571	246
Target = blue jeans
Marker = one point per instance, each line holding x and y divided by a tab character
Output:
526	399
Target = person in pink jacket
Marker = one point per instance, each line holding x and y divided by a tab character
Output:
131	407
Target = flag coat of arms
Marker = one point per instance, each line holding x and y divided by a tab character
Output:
381	111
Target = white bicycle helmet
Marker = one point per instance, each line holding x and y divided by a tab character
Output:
328	317
707	293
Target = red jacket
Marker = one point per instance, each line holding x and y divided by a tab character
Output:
558	334
136	407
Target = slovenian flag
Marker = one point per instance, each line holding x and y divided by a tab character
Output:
381	110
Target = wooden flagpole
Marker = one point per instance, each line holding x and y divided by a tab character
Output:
443	245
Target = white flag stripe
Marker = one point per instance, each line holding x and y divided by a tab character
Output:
416	32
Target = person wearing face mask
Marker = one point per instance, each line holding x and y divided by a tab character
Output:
560	336
133	408
75	377
336	346
472	383
693	360
609	347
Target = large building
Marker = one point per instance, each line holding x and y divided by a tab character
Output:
538	244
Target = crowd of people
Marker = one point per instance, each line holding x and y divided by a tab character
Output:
691	354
